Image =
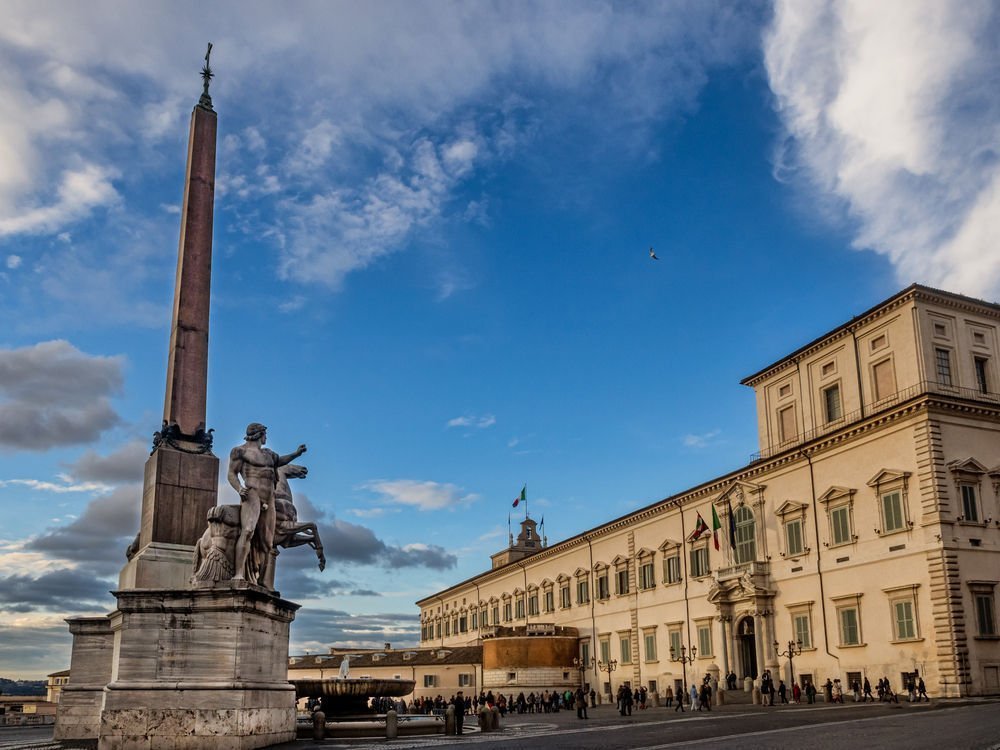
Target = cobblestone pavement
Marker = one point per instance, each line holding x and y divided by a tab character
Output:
944	725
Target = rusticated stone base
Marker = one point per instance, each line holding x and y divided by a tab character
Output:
199	668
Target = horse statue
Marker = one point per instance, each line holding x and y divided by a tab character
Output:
288	531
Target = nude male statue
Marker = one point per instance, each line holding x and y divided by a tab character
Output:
258	468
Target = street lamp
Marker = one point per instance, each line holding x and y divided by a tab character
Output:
609	667
583	665
684	659
794	649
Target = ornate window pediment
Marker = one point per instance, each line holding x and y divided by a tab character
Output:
834	494
546	583
970	468
518	591
741	492
600	566
669	545
619	561
791	508
563	578
968	476
887	477
644	552
581	572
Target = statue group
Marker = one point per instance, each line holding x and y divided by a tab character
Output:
241	541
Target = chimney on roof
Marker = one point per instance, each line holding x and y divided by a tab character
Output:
388	646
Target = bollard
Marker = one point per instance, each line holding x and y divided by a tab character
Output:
720	697
449	720
391	724
756	696
484	719
496	719
319	726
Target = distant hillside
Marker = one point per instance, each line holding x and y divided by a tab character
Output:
21	687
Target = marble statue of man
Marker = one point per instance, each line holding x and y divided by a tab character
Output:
257	467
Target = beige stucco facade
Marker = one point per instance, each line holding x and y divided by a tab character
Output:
867	528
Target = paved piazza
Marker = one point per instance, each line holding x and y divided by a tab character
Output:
952	725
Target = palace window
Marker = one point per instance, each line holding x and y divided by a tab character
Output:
533	603
583	590
831	403
884	379
672	569
903	611
601	582
705	640
986	623
793	537
550	600
942	363
746	535
585	652
625	646
463	624
430	680
647	578
699	562
564	600
967	476
892	512
475	620
839	503
649	644
496	615
786	424
675	640
605	646
519	607
849	619
621	581
465	679
982	382
507	612
802	627
890	489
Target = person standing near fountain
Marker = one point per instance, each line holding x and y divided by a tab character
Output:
458	703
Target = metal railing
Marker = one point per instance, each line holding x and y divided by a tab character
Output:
874	407
756	567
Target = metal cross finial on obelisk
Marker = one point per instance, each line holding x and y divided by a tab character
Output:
206	76
181	479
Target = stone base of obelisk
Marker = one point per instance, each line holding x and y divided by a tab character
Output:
199	668
79	717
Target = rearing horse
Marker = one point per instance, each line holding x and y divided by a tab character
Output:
288	531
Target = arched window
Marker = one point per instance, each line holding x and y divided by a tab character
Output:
746	536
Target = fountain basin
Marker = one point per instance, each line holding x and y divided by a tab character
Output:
349	695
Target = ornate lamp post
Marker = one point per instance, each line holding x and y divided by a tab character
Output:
794	649
610	667
684	659
583	665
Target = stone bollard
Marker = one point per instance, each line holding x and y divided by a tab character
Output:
449	720
485	716
720	697
756	696
391	725
496	719
319	726
747	684
654	700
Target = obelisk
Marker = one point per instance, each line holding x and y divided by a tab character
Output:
181	476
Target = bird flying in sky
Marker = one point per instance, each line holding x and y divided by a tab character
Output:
652	254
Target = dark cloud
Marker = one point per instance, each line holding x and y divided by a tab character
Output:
353	543
329	626
53	394
71	590
296	585
32	653
99	537
123	465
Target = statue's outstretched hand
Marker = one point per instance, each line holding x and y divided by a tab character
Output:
302	449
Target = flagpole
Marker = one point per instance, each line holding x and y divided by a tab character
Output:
525	491
510	535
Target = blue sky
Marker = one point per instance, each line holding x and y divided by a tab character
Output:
431	263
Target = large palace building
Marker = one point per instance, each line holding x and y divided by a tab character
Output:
865	532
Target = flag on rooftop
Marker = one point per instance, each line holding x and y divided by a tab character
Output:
700	528
716	525
522	498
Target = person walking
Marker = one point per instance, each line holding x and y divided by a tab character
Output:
866	693
458	702
668	696
581	704
810	693
922	691
680	699
694	696
796	693
782	691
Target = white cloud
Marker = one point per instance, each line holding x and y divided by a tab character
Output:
80	191
891	112
65	485
471	420
701	441
13	262
423	495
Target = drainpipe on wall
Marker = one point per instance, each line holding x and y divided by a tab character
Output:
593	618
479	624
819	569
857	370
687	604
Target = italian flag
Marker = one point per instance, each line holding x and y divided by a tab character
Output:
522	498
716	525
700	527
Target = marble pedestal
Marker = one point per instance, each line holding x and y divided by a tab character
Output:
199	668
79	716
